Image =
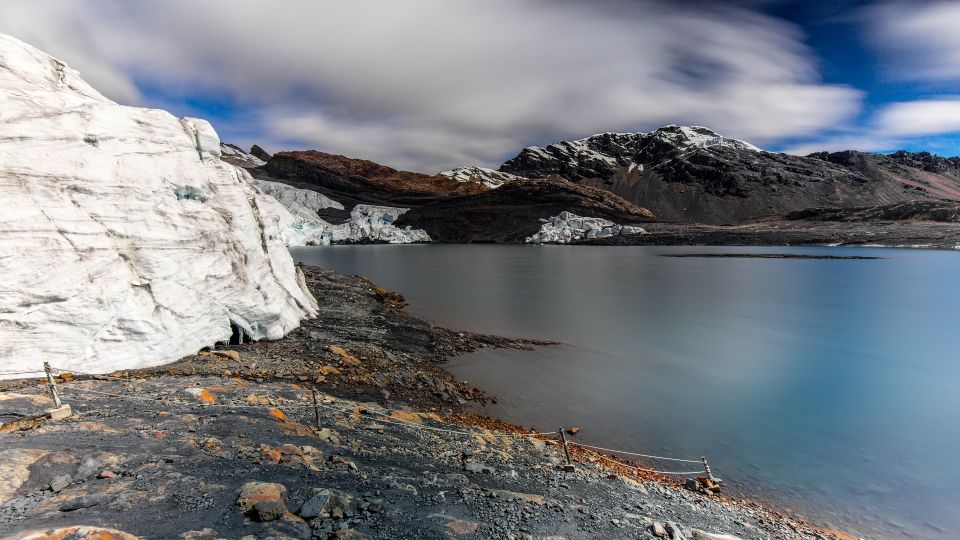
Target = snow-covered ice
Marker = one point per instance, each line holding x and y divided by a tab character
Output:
566	227
368	223
125	241
303	203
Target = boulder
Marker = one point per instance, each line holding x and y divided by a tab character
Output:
76	532
253	493
326	502
267	510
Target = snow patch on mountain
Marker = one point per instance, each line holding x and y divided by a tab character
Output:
604	154
125	240
235	155
567	227
699	137
488	177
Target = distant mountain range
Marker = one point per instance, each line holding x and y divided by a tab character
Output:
694	175
675	174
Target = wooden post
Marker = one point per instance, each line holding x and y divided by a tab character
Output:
53	386
706	467
566	451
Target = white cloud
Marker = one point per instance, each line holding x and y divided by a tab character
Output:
919	39
921	117
431	84
891	127
863	141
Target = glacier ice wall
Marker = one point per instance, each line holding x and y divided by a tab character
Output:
567	227
124	240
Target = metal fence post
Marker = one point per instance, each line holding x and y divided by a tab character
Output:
566	451
53	385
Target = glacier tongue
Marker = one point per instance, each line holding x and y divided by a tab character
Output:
304	203
367	223
124	240
567	227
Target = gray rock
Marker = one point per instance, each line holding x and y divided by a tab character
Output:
60	482
315	505
88	501
267	511
476	467
328	503
676	533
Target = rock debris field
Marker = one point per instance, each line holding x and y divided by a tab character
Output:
230	444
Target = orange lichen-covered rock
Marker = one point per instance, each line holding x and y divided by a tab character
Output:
205	396
253	492
344	355
278	414
77	532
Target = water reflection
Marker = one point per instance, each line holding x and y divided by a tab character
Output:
827	385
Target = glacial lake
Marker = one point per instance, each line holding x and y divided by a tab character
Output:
827	388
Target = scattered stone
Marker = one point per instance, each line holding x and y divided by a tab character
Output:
267	510
461	527
253	492
350	534
87	501
676	533
477	467
107	475
697	534
329	370
60	482
75	533
344	355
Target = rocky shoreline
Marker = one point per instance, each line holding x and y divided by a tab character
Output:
232	444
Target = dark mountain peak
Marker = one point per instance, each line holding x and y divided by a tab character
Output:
694	174
927	162
259	153
603	154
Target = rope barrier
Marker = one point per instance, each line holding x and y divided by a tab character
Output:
635	454
386	418
678	473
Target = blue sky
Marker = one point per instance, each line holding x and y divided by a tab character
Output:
432	84
838	34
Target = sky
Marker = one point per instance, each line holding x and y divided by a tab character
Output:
428	85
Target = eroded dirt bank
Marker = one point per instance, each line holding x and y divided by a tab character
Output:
233	445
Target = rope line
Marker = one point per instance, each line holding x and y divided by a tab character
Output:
634	453
678	473
386	418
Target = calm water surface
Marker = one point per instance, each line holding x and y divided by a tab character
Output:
828	387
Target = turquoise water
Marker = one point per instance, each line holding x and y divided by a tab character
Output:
829	387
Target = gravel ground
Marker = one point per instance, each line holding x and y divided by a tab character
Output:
230	444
